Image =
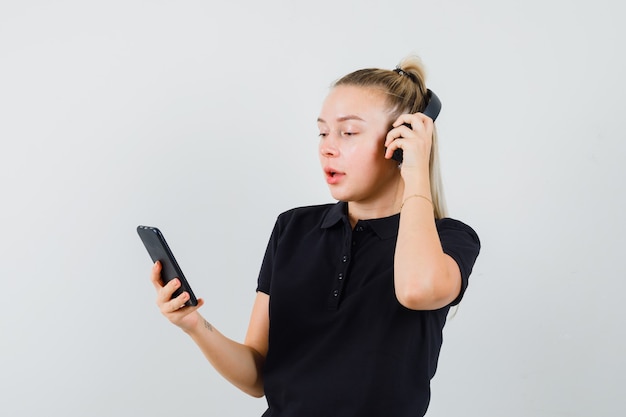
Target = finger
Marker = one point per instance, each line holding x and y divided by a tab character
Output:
178	303
164	294
422	123
398	132
155	276
188	309
393	146
406	118
177	311
422	126
414	120
173	305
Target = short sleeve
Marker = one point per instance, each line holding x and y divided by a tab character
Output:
264	281
460	242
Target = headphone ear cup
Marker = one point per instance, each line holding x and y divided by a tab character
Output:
433	107
398	155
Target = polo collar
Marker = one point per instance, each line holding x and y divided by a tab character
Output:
336	213
385	227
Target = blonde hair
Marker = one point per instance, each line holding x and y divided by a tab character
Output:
406	93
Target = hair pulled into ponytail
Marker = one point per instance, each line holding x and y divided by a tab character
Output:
405	86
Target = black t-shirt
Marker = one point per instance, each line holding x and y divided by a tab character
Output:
340	343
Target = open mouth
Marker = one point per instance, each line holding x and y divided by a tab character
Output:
332	175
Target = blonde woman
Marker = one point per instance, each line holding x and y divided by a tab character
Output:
352	297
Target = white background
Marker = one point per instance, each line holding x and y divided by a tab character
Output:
199	117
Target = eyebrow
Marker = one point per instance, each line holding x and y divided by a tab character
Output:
343	118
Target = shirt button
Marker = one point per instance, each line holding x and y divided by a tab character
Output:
335	293
340	277
359	228
344	259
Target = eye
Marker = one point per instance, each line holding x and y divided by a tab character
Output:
323	134
348	133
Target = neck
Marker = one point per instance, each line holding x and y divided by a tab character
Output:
384	205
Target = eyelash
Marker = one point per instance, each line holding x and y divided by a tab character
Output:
323	135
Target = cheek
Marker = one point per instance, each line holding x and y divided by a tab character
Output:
372	152
359	159
374	158
369	163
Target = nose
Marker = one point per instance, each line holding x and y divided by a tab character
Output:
328	147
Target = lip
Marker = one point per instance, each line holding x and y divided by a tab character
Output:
333	176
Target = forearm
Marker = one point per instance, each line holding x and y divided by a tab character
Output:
240	364
422	279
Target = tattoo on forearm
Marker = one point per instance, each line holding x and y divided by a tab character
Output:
208	326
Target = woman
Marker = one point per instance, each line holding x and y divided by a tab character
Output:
352	297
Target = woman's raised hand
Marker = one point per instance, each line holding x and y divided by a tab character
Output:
413	134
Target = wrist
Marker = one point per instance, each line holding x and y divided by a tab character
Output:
421	170
421	187
416	181
419	198
195	327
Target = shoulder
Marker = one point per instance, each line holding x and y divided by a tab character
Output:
308	216
307	210
292	226
459	241
456	228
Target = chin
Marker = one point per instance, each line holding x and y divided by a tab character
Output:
338	195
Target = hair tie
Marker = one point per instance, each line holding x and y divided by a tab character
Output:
402	72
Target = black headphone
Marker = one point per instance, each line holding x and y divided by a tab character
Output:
434	105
